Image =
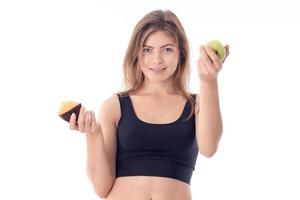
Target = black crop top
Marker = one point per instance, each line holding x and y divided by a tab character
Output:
165	150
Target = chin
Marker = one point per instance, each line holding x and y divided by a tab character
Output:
159	79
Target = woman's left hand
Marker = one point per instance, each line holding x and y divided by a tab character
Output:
209	64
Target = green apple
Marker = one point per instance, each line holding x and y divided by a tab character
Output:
218	48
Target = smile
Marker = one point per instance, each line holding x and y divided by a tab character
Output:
157	69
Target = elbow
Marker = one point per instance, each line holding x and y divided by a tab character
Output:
208	150
103	190
208	153
208	147
102	193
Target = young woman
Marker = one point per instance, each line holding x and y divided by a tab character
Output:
145	141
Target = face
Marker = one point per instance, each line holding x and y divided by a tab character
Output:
159	56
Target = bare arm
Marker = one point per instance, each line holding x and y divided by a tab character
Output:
209	120
98	168
101	144
209	126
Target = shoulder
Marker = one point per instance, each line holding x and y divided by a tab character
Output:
110	108
110	103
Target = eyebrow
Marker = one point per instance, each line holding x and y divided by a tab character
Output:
161	46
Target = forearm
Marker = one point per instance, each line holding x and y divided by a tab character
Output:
98	168
209	118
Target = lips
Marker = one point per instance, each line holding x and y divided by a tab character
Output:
158	69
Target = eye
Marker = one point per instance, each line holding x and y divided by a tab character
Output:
169	50
147	50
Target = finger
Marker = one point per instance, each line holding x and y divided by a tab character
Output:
204	55
81	119
227	49
208	62
94	124
202	67
72	121
227	52
213	57
87	122
209	66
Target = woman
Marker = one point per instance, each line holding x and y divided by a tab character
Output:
146	140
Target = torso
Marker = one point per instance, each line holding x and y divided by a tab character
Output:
148	109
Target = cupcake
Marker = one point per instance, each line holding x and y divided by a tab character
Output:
67	108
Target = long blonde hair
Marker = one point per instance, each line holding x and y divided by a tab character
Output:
151	22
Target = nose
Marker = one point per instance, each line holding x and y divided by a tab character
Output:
157	58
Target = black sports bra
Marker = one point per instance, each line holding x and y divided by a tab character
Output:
165	150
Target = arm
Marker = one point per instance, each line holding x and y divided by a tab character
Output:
209	120
209	126
98	168
101	149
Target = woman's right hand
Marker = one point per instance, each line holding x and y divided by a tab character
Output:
86	122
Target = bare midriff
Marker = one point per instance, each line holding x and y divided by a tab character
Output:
149	188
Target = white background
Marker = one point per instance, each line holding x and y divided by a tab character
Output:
58	50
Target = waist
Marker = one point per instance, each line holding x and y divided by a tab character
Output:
154	167
149	187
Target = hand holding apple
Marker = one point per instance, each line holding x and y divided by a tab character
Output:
218	48
212	56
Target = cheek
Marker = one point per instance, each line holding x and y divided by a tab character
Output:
172	63
145	61
169	61
144	65
172	59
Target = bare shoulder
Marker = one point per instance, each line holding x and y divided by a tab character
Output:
110	108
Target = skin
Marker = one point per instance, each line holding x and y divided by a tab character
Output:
160	50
